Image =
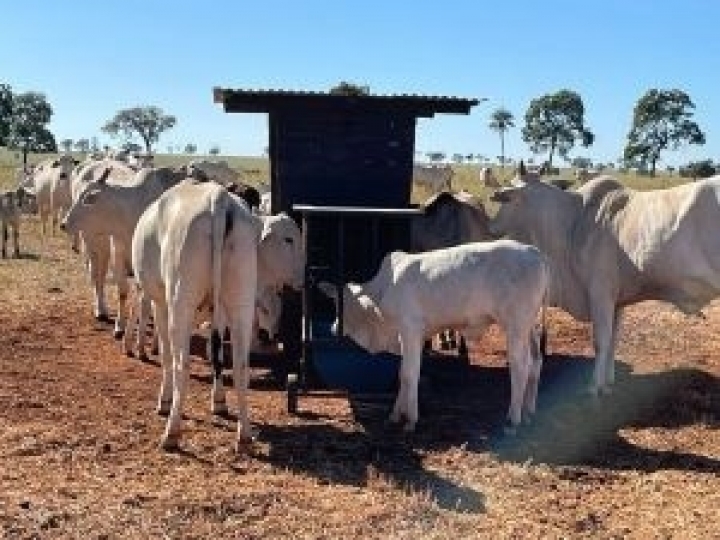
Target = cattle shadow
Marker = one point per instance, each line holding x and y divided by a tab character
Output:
358	458
463	404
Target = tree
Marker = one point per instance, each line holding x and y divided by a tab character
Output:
31	113
82	145
190	148
698	169
661	121
66	145
458	158
131	147
435	156
582	163
146	122
94	144
345	88
214	150
6	106
555	122
501	120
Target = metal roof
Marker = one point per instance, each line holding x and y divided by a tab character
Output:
246	100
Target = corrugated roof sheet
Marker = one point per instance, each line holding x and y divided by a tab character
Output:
251	100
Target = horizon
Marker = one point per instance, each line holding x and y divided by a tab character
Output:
93	60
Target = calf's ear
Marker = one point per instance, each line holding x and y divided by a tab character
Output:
328	289
104	176
369	304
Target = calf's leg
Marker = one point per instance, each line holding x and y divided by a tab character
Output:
406	402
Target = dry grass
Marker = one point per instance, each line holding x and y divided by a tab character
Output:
79	455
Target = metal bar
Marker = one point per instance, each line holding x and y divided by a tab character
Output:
305	357
340	280
364	210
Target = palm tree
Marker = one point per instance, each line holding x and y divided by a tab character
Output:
501	120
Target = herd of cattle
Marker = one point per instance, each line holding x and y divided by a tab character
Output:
197	249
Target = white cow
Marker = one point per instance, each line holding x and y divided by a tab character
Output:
610	247
218	171
433	177
111	211
50	183
98	247
467	287
12	204
199	242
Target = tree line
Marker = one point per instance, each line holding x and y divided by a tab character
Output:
24	120
555	123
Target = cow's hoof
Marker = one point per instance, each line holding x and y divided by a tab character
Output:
118	333
170	443
103	318
163	409
75	249
509	429
155	351
143	357
243	444
129	353
219	409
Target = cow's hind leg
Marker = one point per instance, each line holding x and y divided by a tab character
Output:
535	362
241	336
166	360
179	326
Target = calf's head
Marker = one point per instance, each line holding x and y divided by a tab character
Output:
363	321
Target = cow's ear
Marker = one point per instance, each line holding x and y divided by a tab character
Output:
503	195
104	176
369	304
328	289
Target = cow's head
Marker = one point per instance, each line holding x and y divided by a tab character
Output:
363	321
528	207
281	258
91	204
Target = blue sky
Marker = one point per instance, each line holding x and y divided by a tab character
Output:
94	58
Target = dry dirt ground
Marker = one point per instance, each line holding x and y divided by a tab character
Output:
79	454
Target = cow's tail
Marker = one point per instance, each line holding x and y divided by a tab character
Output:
221	214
